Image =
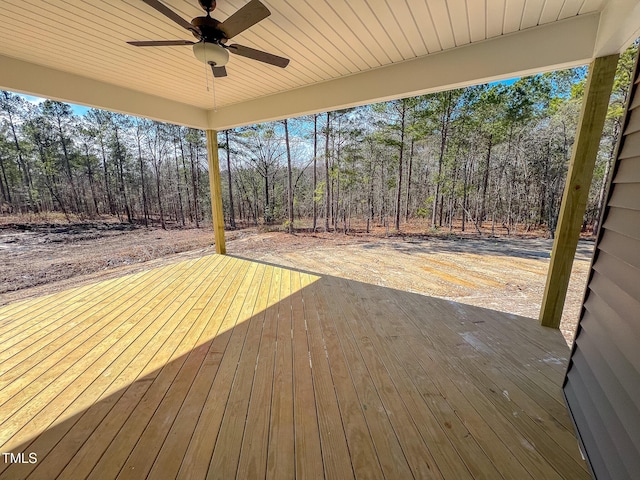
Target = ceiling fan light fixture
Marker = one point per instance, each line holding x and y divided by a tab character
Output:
212	35
211	53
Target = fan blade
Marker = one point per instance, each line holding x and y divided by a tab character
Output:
160	43
218	71
167	12
259	55
247	16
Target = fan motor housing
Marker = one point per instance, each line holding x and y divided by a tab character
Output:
208	28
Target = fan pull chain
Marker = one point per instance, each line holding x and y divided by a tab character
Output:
215	101
207	67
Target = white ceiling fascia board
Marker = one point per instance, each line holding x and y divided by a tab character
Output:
29	78
562	44
619	26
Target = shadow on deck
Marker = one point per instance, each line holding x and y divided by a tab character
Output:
227	368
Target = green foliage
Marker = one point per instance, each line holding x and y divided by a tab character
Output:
318	194
423	212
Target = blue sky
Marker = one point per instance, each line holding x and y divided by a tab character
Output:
81	110
511	81
77	109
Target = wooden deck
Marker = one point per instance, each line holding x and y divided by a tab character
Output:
226	368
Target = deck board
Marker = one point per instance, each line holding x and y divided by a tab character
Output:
195	463
334	447
364	460
102	376
253	453
388	448
226	454
414	448
281	447
447	459
149	372
227	368
305	415
51	383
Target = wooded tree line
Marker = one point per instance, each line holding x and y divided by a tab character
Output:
491	156
100	163
485	156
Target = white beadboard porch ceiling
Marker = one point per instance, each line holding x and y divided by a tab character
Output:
325	40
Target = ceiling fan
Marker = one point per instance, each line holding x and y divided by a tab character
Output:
212	35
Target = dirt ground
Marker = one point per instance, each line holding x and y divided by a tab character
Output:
506	274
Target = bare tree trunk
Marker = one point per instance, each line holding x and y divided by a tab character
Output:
6	193
485	183
232	218
91	182
23	165
326	172
164	226
315	171
186	177
194	183
403	115
512	181
464	191
545	185
67	165
335	192
383	195
406	216
51	184
156	154
105	171
446	116
145	208
370	212
123	190
452	199
289	176
267	208
175	154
